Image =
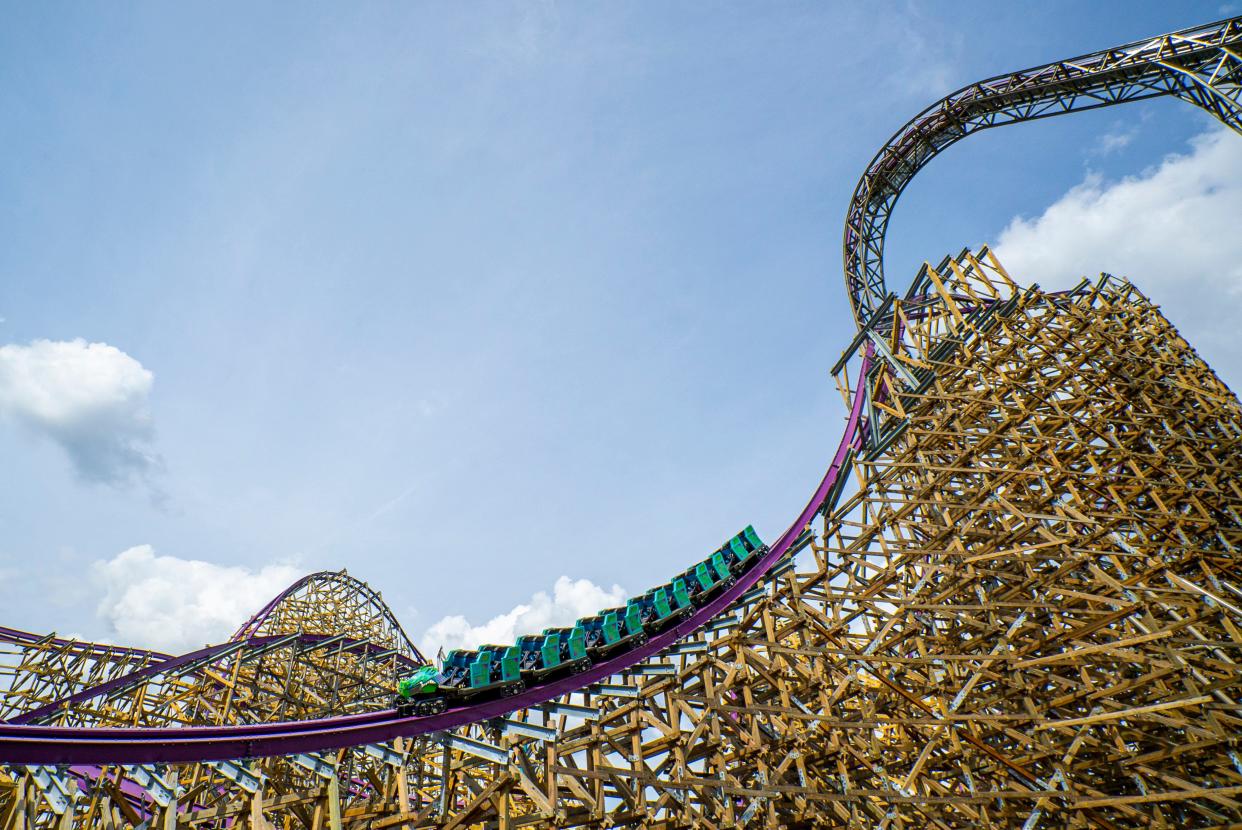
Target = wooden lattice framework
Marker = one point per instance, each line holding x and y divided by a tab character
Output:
1026	612
38	670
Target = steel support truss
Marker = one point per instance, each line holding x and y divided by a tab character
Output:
1202	65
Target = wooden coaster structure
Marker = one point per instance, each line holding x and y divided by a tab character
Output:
39	670
1026	613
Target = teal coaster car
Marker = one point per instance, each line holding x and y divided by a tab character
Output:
742	551
653	610
573	646
470	674
704	583
612	630
679	596
500	671
751	541
719	565
632	623
540	657
661	607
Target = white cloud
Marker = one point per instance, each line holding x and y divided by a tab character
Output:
1174	230
177	605
1114	140
90	398
570	600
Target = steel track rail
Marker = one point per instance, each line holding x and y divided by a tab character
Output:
1201	65
27	744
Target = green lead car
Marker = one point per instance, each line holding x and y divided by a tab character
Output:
419	694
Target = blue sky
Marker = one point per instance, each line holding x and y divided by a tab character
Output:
470	298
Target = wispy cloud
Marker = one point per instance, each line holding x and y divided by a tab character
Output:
925	54
391	503
1114	140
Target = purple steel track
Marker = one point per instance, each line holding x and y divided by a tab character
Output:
25	744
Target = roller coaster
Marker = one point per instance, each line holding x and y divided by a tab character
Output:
1011	601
